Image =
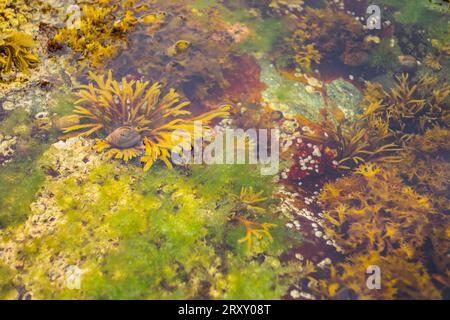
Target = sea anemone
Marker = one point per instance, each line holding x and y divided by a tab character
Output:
131	118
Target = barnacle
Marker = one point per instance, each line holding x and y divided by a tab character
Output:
255	230
15	52
410	107
107	107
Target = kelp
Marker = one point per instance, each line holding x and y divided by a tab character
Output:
181	51
16	52
129	116
100	32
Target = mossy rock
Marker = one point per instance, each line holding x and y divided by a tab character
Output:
164	234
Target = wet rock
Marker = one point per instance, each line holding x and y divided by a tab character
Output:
289	96
345	96
408	63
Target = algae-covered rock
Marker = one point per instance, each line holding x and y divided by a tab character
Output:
295	98
345	96
129	234
289	96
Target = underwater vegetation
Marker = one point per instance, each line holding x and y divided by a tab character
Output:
326	34
354	143
134	118
99	33
16	52
425	166
249	203
188	50
377	220
13	13
364	149
100	216
439	55
410	107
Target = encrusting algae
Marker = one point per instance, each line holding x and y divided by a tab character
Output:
131	118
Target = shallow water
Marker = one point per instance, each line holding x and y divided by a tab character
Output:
95	205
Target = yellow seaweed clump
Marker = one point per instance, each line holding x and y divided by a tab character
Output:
410	107
441	53
378	221
98	33
15	52
14	14
131	118
426	166
247	207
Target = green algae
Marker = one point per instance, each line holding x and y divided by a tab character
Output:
289	96
19	182
6	282
22	177
265	32
156	236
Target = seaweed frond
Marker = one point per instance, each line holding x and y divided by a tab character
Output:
250	199
376	220
255	230
16	52
354	143
410	107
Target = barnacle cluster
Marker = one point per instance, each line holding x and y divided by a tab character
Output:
130	118
410	107
377	220
16	52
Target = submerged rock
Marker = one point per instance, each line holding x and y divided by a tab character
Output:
345	96
289	96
